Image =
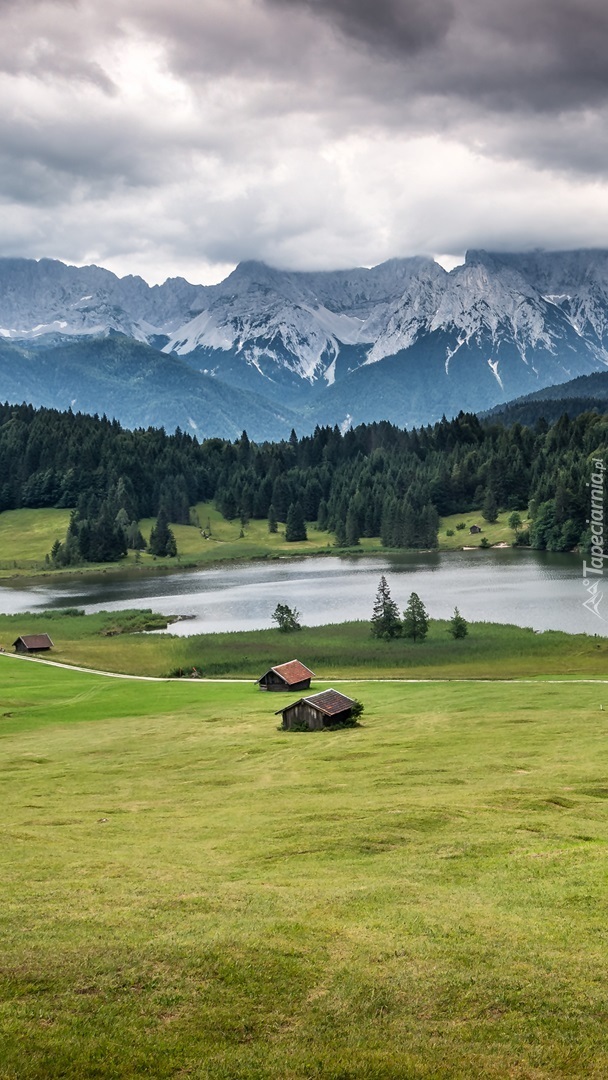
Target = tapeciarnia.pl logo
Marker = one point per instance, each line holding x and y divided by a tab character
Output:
593	572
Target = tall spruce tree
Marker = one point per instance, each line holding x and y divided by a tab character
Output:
107	539
385	616
295	526
415	619
351	528
490	507
162	540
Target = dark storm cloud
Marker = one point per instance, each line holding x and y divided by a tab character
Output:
558	50
389	25
306	132
438	66
544	54
513	79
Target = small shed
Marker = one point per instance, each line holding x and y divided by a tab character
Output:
318	710
475	529
290	676
30	643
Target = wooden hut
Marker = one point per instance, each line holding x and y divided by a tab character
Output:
318	710
290	676
30	643
475	529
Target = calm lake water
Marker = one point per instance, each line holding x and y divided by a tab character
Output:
537	589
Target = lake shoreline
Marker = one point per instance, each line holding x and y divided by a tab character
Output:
114	644
541	590
117	570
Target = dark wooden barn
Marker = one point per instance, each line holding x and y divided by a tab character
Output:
475	529
318	710
30	643
290	676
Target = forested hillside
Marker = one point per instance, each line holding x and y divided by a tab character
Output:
374	480
588	393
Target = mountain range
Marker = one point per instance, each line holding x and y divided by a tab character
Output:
268	350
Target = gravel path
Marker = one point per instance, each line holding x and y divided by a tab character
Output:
249	682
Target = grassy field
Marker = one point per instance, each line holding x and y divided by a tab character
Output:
498	533
27	536
187	892
107	641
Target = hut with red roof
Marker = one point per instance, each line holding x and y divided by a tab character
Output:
290	676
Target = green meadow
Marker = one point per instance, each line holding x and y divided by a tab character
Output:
187	892
114	642
27	536
498	532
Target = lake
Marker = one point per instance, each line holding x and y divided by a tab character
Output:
537	589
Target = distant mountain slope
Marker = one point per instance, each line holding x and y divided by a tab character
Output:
404	341
585	394
137	385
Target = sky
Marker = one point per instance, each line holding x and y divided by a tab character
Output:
180	138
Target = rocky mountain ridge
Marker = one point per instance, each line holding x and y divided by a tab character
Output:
404	341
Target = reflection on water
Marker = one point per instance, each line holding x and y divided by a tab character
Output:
534	589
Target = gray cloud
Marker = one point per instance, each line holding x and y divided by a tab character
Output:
393	26
305	132
48	40
548	55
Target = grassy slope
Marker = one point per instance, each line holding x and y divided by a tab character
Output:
498	533
341	650
186	891
26	536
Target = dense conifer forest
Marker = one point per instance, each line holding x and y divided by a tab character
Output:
373	480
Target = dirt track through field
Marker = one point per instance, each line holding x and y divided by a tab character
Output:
204	679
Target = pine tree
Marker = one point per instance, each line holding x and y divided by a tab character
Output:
107	543
415	619
458	627
122	519
340	534
295	526
135	540
408	527
490	507
272	520
280	497
162	540
56	553
429	525
385	616
352	531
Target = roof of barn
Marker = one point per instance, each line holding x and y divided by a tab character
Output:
293	671
329	702
35	641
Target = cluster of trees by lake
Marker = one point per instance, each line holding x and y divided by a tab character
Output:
373	480
387	623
